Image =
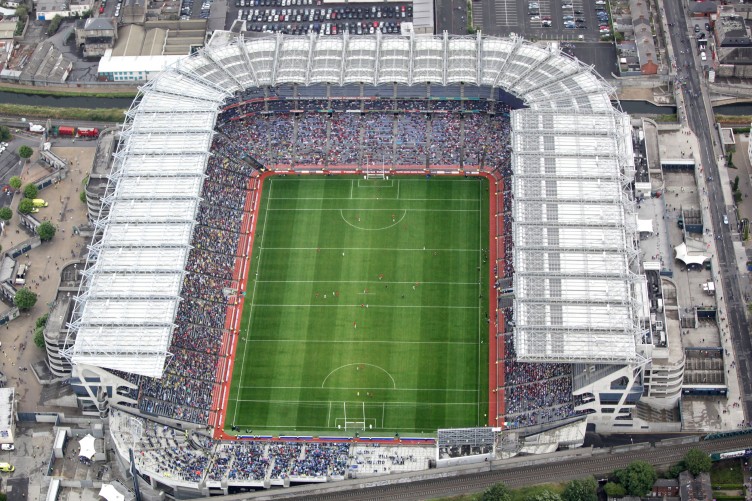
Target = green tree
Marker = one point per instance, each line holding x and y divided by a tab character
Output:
6	213
22	12
697	461
54	25
735	186
613	490
544	495
30	191
25	152
675	470
15	182
39	338
4	133
46	231
637	478
25	206
39	330
82	197
497	492
42	321
581	489
25	299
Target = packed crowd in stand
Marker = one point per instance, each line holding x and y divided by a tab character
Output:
193	457
414	132
190	379
169	453
285	130
241	461
534	393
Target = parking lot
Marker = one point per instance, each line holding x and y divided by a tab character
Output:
580	20
299	17
299	20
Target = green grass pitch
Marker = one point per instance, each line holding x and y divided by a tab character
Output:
365	308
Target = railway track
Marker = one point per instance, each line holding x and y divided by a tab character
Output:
601	463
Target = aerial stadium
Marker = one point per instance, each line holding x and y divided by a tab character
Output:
309	245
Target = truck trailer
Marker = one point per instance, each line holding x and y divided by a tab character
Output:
88	132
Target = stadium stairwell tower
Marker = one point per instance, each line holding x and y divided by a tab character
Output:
577	298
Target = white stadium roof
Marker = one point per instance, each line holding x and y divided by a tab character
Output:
571	157
129	259
574	233
163	165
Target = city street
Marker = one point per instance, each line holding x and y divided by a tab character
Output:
699	119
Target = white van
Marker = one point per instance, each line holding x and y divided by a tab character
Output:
21	274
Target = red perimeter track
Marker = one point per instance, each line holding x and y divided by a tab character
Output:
240	276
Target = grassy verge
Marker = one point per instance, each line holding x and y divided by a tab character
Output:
728	472
64	93
521	494
666	118
100	115
733	119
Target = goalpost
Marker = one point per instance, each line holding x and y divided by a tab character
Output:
375	173
355	422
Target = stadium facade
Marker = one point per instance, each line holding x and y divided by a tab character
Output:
579	297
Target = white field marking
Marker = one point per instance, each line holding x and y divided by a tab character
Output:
354	388
371	210
287	428
404	213
359	341
360	363
418	179
318	402
480	303
253	297
328	414
357	281
371	198
380	249
398	188
352	187
358	306
390	185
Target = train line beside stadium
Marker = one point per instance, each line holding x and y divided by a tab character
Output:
600	463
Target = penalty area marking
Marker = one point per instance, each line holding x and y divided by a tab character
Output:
404	213
390	185
394	385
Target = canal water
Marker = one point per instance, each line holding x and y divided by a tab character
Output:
632	107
